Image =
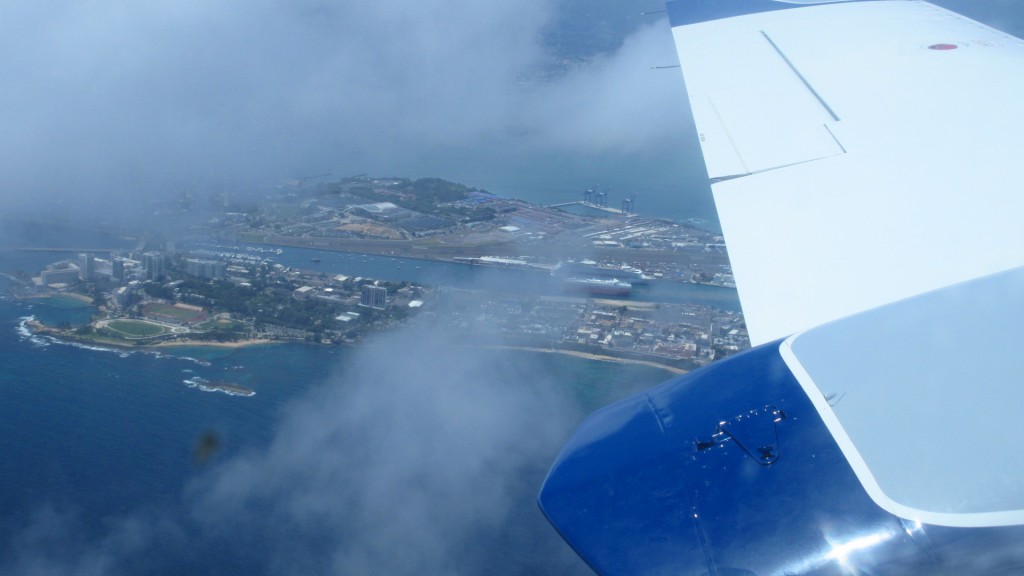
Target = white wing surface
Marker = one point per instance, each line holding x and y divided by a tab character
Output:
861	152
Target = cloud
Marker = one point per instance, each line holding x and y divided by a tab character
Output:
108	103
112	93
113	102
419	457
55	542
618	102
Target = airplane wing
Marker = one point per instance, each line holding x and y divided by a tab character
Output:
863	157
867	152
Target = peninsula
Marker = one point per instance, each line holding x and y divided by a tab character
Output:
234	280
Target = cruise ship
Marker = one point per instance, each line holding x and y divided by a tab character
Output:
591	269
598	286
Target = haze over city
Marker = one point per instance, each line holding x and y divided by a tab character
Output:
110	104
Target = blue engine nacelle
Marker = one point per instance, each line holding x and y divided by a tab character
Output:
730	470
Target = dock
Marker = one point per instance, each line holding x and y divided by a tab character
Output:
607	209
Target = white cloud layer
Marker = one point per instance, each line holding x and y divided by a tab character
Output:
111	99
420	457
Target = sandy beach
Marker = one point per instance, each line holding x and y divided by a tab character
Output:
45	295
76	296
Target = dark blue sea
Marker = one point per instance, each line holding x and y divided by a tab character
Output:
404	455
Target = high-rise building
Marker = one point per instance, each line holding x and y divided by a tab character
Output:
375	297
153	265
86	267
202	268
117	268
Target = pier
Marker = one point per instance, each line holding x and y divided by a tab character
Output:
607	209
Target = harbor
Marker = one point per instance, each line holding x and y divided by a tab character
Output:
466	275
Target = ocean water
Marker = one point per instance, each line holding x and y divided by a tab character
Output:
96	433
111	464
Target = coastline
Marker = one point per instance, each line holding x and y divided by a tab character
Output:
47	295
80	297
37	327
214	344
